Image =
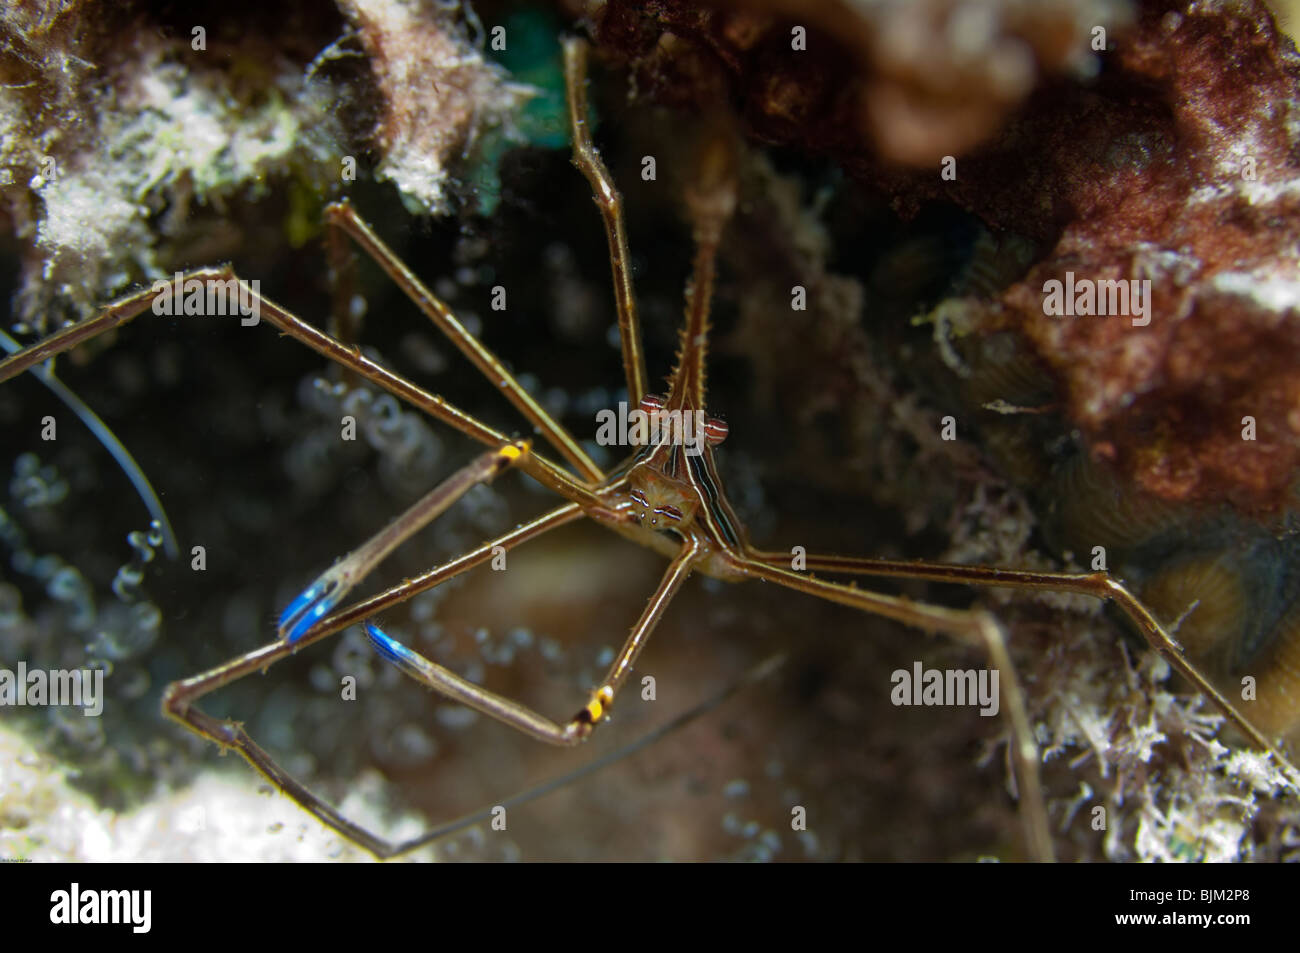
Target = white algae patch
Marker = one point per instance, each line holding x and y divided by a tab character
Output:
225	815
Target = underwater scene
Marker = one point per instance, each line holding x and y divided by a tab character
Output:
591	430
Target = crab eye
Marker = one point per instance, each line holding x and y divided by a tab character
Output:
715	431
652	403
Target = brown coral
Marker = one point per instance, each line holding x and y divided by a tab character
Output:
1201	196
437	90
910	80
1166	167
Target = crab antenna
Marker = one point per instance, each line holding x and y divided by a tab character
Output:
45	374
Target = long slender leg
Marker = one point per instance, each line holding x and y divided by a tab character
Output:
348	356
181	698
1099	585
126	309
610	203
328	590
113	315
341	216
384	849
756	674
536	466
973	626
580	726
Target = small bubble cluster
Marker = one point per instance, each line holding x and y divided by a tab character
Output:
35	485
477	845
129	628
62	583
126	584
758	816
75	627
409	449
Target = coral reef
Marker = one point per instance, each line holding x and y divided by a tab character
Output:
438	92
113	130
122	134
1165	167
218	818
909	81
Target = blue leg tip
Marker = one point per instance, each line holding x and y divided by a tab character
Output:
308	609
305	598
388	647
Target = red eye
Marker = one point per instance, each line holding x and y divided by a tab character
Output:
651	403
715	431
